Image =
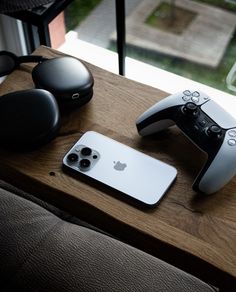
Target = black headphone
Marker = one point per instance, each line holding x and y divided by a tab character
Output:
30	118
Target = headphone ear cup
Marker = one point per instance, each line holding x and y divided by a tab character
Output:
28	119
68	79
8	61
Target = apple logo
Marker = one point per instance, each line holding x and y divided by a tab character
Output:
119	166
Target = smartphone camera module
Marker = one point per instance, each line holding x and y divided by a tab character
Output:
72	157
82	158
84	164
86	151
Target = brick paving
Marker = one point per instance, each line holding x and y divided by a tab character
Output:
99	25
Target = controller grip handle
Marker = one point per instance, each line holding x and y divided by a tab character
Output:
217	172
151	122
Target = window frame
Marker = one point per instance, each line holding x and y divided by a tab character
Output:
12	27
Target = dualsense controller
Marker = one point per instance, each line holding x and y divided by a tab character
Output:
207	125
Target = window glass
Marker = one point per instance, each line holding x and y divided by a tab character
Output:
191	38
194	39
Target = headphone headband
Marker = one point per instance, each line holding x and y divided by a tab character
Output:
31	59
9	61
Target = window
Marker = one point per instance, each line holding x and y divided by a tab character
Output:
193	39
12	27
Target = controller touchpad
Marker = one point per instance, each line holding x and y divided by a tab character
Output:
218	114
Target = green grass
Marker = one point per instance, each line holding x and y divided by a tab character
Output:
174	21
200	73
220	4
214	77
77	11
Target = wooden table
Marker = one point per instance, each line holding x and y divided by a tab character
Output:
195	233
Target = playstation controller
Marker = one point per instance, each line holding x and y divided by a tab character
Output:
210	127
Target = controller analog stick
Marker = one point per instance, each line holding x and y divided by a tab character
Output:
191	109
214	131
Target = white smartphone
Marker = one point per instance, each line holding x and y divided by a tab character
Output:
120	167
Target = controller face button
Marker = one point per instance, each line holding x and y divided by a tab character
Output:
186	97
196	94
214	131
232	142
195	99
187	92
191	109
232	133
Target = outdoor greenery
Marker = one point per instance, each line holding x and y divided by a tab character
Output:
77	11
172	20
220	4
214	77
203	74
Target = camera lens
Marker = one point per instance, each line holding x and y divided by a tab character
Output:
84	163
72	157
86	151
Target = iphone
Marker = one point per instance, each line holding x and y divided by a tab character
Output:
120	168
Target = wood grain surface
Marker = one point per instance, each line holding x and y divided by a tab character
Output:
196	233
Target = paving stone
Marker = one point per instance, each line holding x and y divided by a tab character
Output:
204	41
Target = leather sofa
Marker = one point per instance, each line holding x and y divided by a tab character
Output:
42	250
